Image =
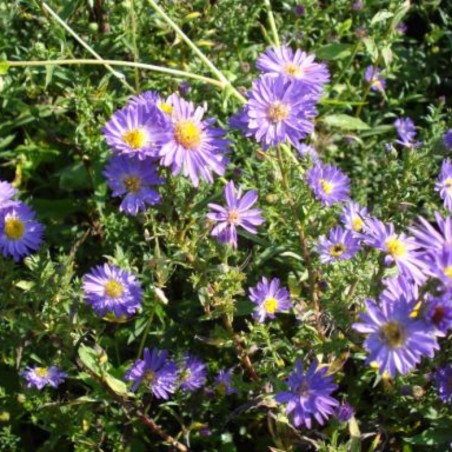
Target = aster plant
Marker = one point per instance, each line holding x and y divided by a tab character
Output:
42	376
338	246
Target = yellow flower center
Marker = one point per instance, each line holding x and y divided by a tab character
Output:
393	334
327	187
187	134
14	228
135	138
132	184
448	271
167	108
278	112
357	224
395	247
233	216
113	289
149	377
292	70
41	372
448	184
337	250
271	305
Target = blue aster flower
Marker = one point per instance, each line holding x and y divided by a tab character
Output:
43	376
270	298
192	373
374	78
7	193
307	151
156	371
338	246
309	395
345	412
439	313
223	382
353	217
447	139
20	233
328	183
133	179
433	238
407	131
396	340
110	289
443	380
444	184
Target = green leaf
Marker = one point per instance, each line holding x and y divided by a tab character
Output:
4	66
371	47
74	177
243	307
355	435
345	122
89	358
398	16
116	385
431	437
380	17
334	51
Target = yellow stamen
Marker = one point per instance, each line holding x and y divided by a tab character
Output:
395	247
41	372
135	138
113	288
337	250
292	70
277	112
233	216
416	311
393	334
187	134
327	187
448	184
448	271
271	305
132	184
357	224
167	108
14	228
149	377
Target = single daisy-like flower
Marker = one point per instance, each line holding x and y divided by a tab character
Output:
374	78
309	395
344	412
439	313
407	131
399	248
110	289
447	139
278	110
328	183
396	341
20	233
443	380
157	372
270	298
191	145
135	130
444	184
132	178
338	246
353	217
299	66
237	213
192	373
7	193
223	382
43	376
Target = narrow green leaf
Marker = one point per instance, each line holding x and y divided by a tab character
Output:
381	16
334	51
345	122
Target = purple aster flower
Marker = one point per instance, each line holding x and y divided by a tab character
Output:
20	233
399	287
110	289
340	245
443	380
396	340
373	77
406	131
299	10
7	193
358	5
283	61
307	151
399	248
237	212
192	373
149	97
444	184
223	382
133	178
439	313
42	376
430	238
191	145
135	130
156	371
329	184
440	265
447	139
278	110
309	395
184	88
270	298
345	412
353	217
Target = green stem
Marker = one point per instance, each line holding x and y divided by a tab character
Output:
224	81
145	335
150	67
136	54
271	21
117	74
